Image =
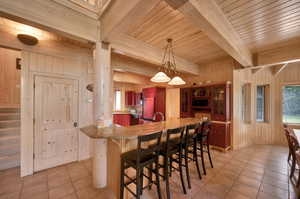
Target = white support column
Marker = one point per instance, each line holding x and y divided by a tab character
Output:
102	110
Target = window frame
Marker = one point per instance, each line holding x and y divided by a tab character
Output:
266	103
282	101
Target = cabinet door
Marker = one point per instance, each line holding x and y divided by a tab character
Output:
185	102
218	104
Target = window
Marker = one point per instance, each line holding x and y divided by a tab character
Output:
291	104
118	100
262	102
246	103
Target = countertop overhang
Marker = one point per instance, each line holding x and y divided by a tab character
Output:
132	132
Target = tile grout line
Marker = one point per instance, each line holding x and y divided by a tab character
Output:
22	186
75	191
48	185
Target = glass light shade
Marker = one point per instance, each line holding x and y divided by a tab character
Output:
176	81
160	77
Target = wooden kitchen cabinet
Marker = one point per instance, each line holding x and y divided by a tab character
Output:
154	100
220	136
130	98
185	102
220	102
214	101
125	119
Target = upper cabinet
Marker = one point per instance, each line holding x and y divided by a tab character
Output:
220	102
213	100
130	98
154	100
185	102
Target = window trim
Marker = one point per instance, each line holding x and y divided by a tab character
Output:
115	103
297	125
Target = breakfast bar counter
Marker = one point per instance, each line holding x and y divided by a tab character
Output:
132	132
119	140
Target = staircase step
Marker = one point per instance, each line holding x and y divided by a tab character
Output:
8	140
10	131
9	161
9	116
10	123
10	149
9	110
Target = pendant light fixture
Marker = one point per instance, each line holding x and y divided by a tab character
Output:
168	67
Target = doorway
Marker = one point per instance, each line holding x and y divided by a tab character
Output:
10	75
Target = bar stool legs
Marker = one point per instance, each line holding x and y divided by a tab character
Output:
187	167
196	158
122	186
208	151
181	173
202	157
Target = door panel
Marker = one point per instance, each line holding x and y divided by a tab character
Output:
56	138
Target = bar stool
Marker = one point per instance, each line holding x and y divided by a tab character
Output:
293	147
203	139
172	147
139	159
190	147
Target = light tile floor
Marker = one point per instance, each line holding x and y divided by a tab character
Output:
259	171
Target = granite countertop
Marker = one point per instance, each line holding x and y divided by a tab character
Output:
131	132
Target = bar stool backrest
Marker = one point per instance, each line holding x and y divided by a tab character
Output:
205	128
148	145
192	131
174	136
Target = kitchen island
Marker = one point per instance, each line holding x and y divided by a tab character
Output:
123	139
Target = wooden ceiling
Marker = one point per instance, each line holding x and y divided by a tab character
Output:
263	22
190	42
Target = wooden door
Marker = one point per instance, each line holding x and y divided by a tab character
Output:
56	113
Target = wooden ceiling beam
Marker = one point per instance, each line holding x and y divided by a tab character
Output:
127	64
123	14
126	45
52	15
207	15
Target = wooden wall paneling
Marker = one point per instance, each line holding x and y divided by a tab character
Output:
49	43
213	72
47	65
270	132
9	78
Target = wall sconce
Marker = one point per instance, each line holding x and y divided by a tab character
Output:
27	39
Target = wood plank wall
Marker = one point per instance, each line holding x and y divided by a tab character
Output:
215	72
270	132
53	66
9	78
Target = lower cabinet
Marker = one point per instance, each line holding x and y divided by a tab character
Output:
220	136
125	119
